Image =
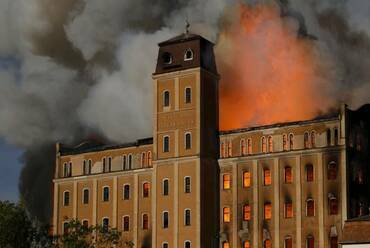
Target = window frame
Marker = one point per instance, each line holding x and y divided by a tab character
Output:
267	182
185	185
310	174
288	205
83	196
270	144
103	193
247	179
226	184
66	204
124	229
165	186
188	98
124	192
247	212
267	215
166	99
129	161
143	225
187	242
188	142
187	222
186	58
243	147
144	195
291	141
166	144
308	211
165	221
226	215
288	179
263	145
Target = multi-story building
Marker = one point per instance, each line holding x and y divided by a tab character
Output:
281	185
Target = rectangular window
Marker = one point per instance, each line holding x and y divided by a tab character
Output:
226	214
288	176
145	222
66	198
106	194
309	172
165	187
126	192
187	182
188	95
246	179
187	141
165	220
105	223
126	223
288	242
288	210
266	177
166	144
187	217
85	196
226	181
267	211
246	212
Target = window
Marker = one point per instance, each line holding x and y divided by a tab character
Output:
65	227
188	55
67	169
291	141
336	136
267	211
313	139
333	205
288	209
226	214
104	165
309	172
271	144
85	223
187	217
226	181
66	198
310	241
146	189
266	177
246	179
249	146
166	144
124	162
230	149
246	212
126	192
105	193
167	58
166	98
85	196
84	167
105	223
306	141
126	223
187	95
188	141
149	155
187	244
165	219
332	171
288	242
165	245
89	167
310	207
246	244
263	144
285	142
243	148
222	150
333	242
129	158
109	164
143	159
187	184
328	137
267	243
165	187
225	244
145	222
288	176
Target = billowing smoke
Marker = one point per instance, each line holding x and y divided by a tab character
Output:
75	68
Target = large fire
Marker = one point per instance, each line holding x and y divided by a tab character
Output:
268	73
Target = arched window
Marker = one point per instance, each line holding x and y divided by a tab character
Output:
266	177
246	244
187	244
105	193
165	187
226	178
104	162
332	170
126	192
328	137
86	195
124	162
288	175
313	139
149	156
66	197
333	205
288	242
109	164
336	136
267	243
165	219
225	244
310	207
187	184
291	141
187	95
267	211
143	159
188	141
271	144
226	214
166	98
146	189
187	217
84	167
310	241
165	245
249	146
243	148
105	223
229	149
309	172
126	223
188	54
166	143
263	144
285	142
246	212
129	158
288	209
333	242
167	58
246	179
222	149
89	167
306	140
145	222
67	169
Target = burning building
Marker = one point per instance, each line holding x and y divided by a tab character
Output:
290	184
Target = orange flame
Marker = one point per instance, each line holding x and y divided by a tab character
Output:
268	73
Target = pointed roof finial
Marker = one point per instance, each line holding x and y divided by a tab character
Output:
187	26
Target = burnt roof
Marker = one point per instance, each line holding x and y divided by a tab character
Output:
88	146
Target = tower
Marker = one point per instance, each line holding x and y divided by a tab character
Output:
185	144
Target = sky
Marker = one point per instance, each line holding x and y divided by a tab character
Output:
10	169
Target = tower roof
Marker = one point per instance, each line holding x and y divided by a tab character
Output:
181	38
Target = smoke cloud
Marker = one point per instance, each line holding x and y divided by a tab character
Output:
75	68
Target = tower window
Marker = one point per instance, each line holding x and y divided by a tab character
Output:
271	144
310	207
124	162
332	170
89	167
246	212
188	55
104	162
222	149
188	141
85	196
246	179
266	177
66	198
67	169
263	144
165	186
165	219
145	222
126	223
309	172
143	159
149	156
313	139
166	98
226	178
288	242
146	189
328	137
267	211
187	217
187	184
306	140
291	141
129	158
166	144
167	58
226	214
106	193
243	149
229	149
285	142
126	192
310	241
84	167
249	146
288	175
336	136
187	95
288	209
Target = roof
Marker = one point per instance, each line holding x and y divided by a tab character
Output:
356	231
181	38
95	147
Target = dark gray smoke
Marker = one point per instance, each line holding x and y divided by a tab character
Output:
74	68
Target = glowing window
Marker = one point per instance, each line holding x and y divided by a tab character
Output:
288	242
271	144
126	223
225	244
332	170
288	175
291	141
229	149
246	179
243	148
249	145
285	142
309	172
267	243
106	194
310	241
306	140
222	150
166	144
263	144
288	209
187	95
145	222
187	217
126	192
187	141
85	199
313	139
266	177
246	244
310	207
226	214
146	189
166	98
246	212
226	181
267	211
